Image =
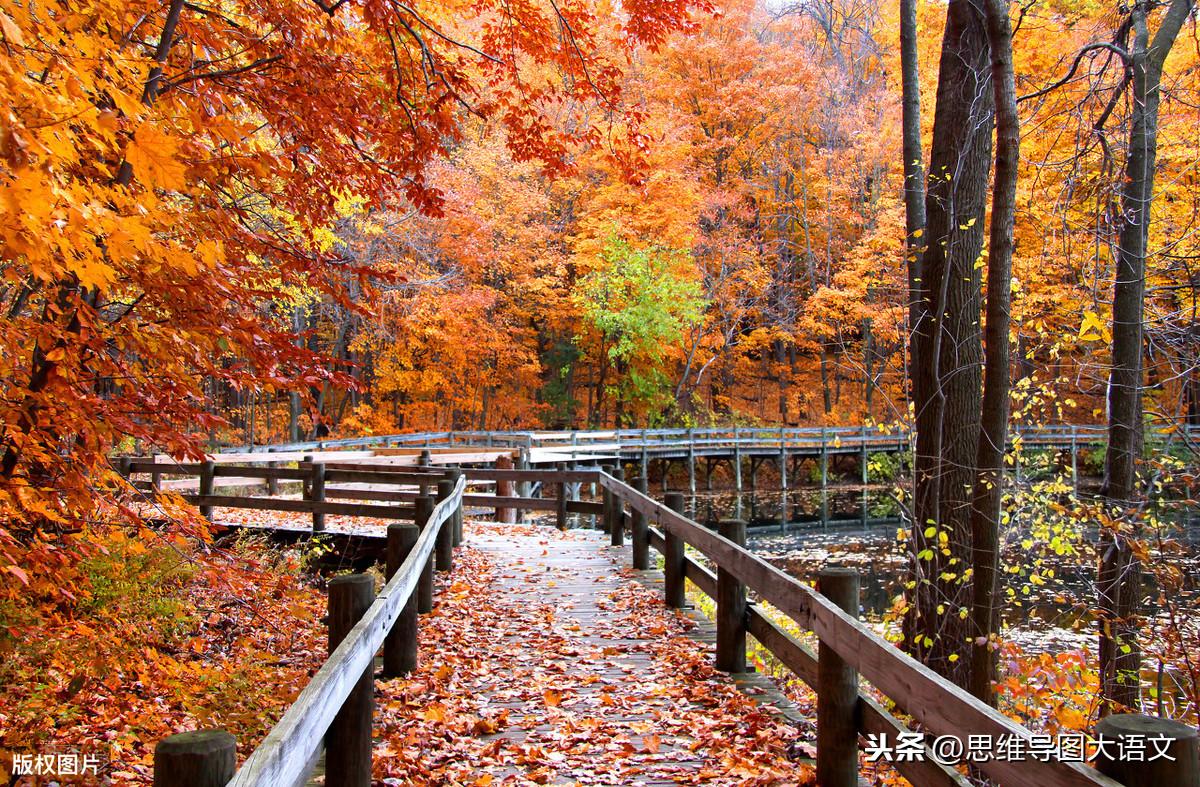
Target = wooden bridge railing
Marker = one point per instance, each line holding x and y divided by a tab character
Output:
334	710
845	644
1048	436
379	484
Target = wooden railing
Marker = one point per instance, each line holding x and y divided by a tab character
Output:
940	707
384	484
1063	435
334	709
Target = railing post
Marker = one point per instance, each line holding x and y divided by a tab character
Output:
306	484
522	463
204	758
456	519
731	607
317	485
445	539
424	505
272	483
674	589
561	511
1179	767
606	499
208	469
837	690
425	460
348	741
400	646
616	525
504	488
641	541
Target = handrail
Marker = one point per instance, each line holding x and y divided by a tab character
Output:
935	702
1051	434
285	755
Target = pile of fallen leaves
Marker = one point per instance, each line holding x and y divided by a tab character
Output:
512	690
161	636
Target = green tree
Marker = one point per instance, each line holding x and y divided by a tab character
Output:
639	302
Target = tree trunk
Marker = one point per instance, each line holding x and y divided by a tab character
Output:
948	378
985	513
914	176
1119	577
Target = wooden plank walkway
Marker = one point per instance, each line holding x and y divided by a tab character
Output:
548	661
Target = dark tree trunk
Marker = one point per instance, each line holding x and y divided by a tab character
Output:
1120	572
985	514
948	379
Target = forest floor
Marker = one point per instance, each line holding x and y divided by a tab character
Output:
168	636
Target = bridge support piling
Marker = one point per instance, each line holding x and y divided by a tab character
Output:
400	647
644	467
204	758
348	742
731	607
424	505
837	690
673	556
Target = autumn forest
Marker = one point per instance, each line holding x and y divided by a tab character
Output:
963	233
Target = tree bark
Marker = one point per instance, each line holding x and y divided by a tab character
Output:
985	513
948	341
914	175
1119	580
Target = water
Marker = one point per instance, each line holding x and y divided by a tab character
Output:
859	528
855	528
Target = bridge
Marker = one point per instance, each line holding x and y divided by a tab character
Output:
423	500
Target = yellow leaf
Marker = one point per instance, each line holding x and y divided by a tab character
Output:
1094	328
154	158
11	31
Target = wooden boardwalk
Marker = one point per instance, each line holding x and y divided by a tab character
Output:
548	661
